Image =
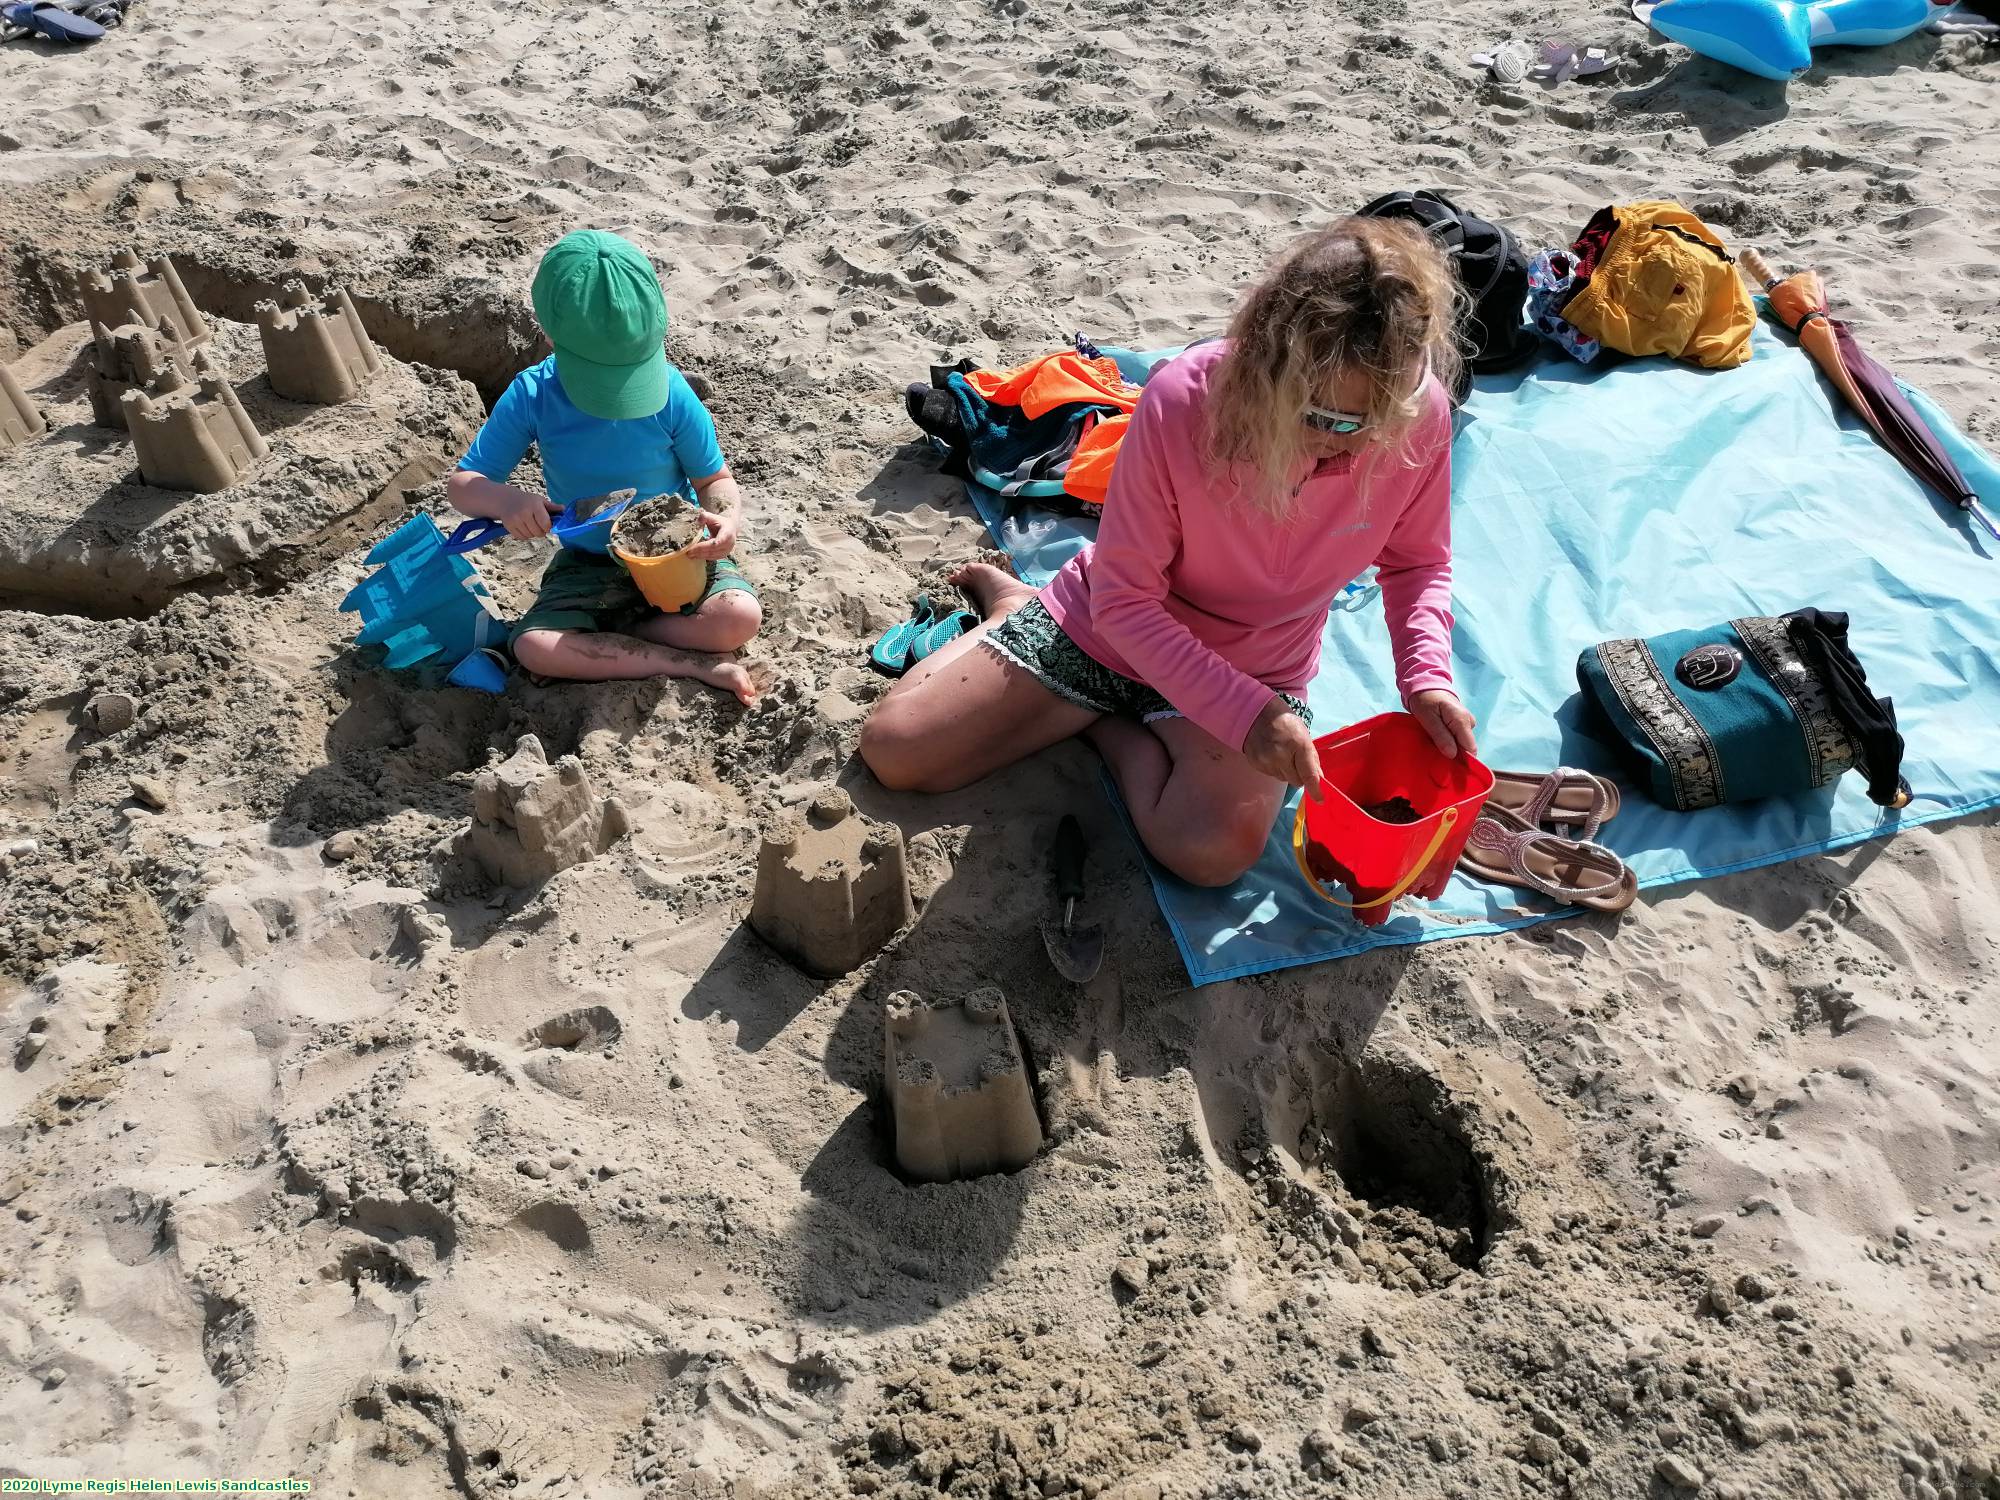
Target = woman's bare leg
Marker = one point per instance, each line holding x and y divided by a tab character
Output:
1201	809
995	595
964	713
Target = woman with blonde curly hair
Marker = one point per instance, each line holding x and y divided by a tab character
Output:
1261	474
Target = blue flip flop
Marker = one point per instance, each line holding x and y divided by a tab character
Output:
56	22
893	654
942	633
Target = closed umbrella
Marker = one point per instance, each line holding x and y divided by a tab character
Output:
1866	384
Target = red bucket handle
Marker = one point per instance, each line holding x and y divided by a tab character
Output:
1446	822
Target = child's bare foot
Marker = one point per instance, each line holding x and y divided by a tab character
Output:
746	679
994	592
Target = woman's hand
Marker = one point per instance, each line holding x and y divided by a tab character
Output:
1446	721
1281	746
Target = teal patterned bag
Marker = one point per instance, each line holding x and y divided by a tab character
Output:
1763	706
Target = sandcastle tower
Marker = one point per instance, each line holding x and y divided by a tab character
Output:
129	358
958	1087
531	820
192	434
318	353
20	418
832	887
147	293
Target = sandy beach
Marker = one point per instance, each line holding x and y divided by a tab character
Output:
321	1159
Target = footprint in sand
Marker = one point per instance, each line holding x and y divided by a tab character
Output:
560	1224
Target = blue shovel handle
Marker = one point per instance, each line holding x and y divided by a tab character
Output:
470	536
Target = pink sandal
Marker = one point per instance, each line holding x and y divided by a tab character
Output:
1505	849
1563	796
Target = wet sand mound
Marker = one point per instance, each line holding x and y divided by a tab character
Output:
82	530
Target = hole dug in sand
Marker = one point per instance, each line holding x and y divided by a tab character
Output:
1381	1178
373	1263
592	1028
564	1052
560	1224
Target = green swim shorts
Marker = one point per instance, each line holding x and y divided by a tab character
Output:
590	591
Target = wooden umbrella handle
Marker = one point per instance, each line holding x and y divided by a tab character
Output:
1759	269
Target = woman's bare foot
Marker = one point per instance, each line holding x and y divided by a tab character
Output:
996	594
746	679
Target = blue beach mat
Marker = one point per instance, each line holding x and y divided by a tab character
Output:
1649	496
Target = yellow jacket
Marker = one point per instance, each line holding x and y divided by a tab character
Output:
1665	285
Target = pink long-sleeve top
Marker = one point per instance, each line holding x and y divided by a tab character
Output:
1193	590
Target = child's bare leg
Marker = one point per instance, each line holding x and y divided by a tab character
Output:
725	622
605	656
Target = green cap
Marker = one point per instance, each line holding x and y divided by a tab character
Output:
598	299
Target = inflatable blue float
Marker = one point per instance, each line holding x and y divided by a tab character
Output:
1775	38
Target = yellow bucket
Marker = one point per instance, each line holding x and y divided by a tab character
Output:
669	583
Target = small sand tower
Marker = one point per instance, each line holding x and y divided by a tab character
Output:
148	293
317	353
20	418
531	820
832	887
958	1087
192	434
129	358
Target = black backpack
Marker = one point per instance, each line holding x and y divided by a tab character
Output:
1490	266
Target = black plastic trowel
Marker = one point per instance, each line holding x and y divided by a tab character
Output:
1076	949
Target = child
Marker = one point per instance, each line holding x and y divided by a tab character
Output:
609	413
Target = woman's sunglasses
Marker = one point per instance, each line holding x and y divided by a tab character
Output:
1340	423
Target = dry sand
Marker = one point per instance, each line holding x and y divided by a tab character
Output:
321	1159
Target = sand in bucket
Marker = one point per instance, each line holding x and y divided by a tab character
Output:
1394	815
651	538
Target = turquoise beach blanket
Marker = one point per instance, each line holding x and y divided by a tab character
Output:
1627	501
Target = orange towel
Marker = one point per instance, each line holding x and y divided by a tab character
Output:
1065	379
1055	380
1089	474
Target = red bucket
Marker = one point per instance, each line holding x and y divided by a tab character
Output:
1394	817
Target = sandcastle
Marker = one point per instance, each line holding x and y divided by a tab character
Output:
147	294
315	352
531	820
832	886
958	1087
20	419
192	434
130	358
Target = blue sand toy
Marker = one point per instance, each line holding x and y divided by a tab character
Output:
582	526
484	671
1775	38
421	602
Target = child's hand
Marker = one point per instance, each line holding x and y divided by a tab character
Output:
528	517
721	537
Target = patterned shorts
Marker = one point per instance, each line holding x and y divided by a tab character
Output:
1031	639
